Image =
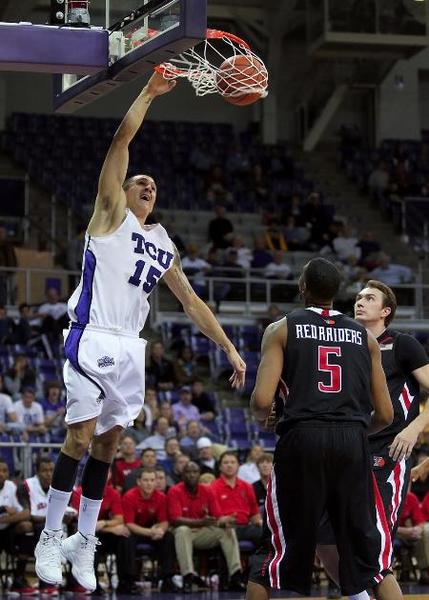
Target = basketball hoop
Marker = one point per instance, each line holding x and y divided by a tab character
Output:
208	66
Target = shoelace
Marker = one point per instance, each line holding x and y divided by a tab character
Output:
89	547
52	544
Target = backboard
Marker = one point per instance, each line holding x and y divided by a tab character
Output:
149	34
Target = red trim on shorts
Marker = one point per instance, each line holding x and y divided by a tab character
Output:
386	550
275	538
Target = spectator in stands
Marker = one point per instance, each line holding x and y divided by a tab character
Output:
259	185
249	470
179	462
203	401
160	370
112	534
422	549
158	438
345	244
232	267
23	331
244	254
54	409
274	238
19	377
126	462
54	317
30	415
161	481
221	230
140	429
152	402
11	513
184	410
206	459
7	409
237	498
261	256
278	268
411	534
7	327
188	443
166	411
317	218
32	495
196	268
185	366
75	249
172	447
273	314
378	180
217	191
7	259
198	523
391	273
145	512
147	459
369	248
265	465
294	209
295	235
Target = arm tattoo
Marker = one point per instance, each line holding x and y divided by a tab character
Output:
181	277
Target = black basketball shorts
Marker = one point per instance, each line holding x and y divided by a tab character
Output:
319	466
391	481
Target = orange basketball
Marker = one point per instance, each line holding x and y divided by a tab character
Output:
238	74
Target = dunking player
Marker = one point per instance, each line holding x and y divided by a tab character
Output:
104	372
332	368
406	366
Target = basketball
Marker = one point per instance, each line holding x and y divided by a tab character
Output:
239	73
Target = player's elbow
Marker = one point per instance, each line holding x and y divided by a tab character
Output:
386	415
260	404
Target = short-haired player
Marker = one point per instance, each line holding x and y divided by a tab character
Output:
124	258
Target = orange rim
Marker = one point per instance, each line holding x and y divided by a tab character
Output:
211	34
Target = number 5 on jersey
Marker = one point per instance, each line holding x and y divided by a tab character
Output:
152	276
335	371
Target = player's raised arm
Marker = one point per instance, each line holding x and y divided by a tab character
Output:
383	410
202	316
269	370
111	201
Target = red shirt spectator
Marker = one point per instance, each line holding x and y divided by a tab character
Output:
425	507
239	500
181	503
142	511
412	511
128	461
110	506
122	468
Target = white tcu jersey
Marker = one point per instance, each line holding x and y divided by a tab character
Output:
8	498
119	271
38	497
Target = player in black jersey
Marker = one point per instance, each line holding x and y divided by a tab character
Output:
406	366
332	369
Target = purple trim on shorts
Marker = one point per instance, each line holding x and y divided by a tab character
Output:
83	305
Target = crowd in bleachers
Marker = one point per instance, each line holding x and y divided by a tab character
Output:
390	173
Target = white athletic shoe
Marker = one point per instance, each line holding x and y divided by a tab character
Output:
79	550
48	557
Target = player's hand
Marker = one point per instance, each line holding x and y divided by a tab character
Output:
238	377
420	471
270	423
157	85
403	444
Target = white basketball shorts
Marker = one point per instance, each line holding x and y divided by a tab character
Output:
104	375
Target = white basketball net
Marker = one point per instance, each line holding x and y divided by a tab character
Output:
200	65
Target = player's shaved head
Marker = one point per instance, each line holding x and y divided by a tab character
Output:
320	280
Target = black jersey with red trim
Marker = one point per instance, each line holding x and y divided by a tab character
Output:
401	354
327	368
